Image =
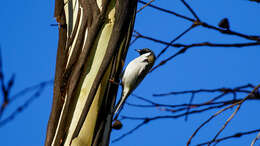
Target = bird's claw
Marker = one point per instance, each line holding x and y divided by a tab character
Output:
113	81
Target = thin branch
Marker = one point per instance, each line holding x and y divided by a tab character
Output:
174	116
23	106
138	35
229	32
184	49
237	135
175	39
144	99
130	131
179	108
6	89
184	106
145	120
191	10
207	121
144	6
189	106
133	41
214	105
204	24
3	87
217	97
220	111
223	89
29	89
167	11
208	44
226	123
255	139
192	111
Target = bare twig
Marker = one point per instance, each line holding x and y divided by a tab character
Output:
138	35
175	39
220	111
29	89
184	49
228	121
185	106
144	6
145	120
189	106
191	10
229	32
223	90
130	131
6	89
181	107
237	135
207	121
204	24
40	87
255	139
167	11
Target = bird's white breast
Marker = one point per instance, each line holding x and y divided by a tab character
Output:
133	69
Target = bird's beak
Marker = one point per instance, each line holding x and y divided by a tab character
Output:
137	50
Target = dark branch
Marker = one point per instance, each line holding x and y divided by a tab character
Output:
183	110
237	135
21	108
130	131
175	39
144	6
191	10
183	50
167	11
221	111
227	122
138	35
239	89
255	139
204	24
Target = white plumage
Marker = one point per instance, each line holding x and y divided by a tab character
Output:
134	73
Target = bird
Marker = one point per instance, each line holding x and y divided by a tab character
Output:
133	75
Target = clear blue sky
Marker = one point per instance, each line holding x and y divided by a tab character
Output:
29	46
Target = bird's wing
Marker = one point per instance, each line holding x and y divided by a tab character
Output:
143	70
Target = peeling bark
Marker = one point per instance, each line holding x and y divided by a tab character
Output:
89	54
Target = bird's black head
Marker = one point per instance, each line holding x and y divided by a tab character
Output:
143	51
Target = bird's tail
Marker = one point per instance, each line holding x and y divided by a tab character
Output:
119	105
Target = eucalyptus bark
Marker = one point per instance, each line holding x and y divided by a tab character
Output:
94	37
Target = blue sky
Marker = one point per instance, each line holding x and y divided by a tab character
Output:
29	46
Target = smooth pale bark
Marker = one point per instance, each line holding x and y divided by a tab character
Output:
93	41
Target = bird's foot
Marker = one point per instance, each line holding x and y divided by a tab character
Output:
113	81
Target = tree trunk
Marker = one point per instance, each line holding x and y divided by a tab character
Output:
93	40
